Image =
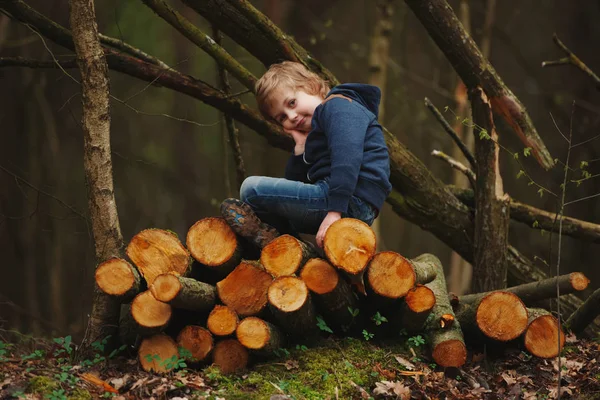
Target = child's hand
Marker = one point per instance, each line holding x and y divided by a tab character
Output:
299	138
331	217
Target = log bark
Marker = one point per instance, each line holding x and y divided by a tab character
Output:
290	303
499	315
151	315
259	335
285	255
491	204
155	350
245	289
349	244
222	321
212	243
197	340
333	295
156	252
118	278
542	335
585	314
418	304
186	293
230	356
533	292
475	70
128	328
445	340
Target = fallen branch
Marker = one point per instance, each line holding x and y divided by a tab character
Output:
572	59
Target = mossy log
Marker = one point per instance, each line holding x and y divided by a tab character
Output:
541	337
259	335
222	321
156	252
154	352
349	244
290	303
285	255
118	278
186	293
533	292
244	290
498	315
197	340
230	356
333	295
151	315
585	314
446	340
212	243
418	304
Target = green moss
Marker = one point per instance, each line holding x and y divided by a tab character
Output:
42	385
80	394
312	374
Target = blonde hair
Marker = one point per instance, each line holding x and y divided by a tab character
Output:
291	75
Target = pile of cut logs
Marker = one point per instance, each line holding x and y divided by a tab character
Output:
210	299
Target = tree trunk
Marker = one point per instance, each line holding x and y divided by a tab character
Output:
289	300
230	356
185	293
259	335
585	314
155	350
222	321
285	255
97	162
197	340
245	289
213	244
118	278
542	335
492	206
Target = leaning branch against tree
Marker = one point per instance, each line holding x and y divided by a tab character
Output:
585	314
96	159
466	58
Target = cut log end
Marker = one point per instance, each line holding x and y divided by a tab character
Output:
420	299
211	241
230	356
391	275
222	321
502	316
156	252
282	256
579	281
165	287
115	276
253	333
320	276
349	244
155	350
541	337
245	289
288	293
450	353
197	340
446	321
149	312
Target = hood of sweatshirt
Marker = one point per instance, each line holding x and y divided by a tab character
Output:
367	95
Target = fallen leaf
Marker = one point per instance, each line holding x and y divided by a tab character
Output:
95	380
405	363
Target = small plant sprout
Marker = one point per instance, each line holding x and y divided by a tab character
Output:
323	325
378	319
367	335
416	341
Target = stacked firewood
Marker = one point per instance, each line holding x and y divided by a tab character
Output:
211	299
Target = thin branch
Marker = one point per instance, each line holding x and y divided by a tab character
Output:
572	59
129	49
456	165
452	133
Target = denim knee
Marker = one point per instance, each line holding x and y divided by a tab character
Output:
248	188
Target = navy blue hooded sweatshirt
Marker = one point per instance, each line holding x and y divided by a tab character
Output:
346	148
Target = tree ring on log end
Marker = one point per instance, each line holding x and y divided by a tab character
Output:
253	333
196	340
420	299
502	316
541	338
165	287
211	241
149	312
230	356
288	293
222	321
349	244
155	350
282	256
391	275
319	276
450	353
114	276
579	281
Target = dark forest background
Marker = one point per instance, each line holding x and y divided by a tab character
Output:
173	165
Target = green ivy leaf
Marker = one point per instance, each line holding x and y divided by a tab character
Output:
527	151
521	172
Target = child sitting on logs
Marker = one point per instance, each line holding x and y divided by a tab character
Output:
339	167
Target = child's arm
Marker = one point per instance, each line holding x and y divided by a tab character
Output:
296	168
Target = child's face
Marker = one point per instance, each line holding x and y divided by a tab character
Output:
293	109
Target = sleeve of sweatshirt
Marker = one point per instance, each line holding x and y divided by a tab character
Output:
345	123
296	168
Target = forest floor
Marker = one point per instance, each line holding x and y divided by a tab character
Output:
349	368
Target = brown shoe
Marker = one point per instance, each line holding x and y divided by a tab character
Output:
243	221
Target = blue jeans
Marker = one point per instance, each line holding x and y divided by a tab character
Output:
295	207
